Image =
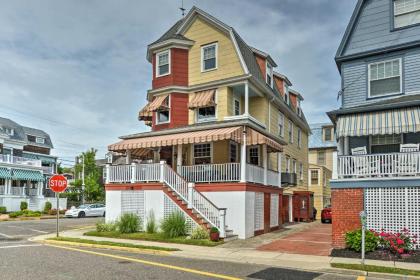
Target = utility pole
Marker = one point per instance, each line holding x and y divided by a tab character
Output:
83	178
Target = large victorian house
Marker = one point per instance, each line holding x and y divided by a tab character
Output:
25	165
378	125
228	144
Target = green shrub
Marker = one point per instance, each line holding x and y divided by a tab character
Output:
3	210
47	207
106	227
15	214
354	240
199	233
151	226
23	205
174	225
53	212
129	223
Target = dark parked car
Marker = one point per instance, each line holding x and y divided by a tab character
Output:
326	215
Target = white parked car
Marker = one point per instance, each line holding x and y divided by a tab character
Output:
86	210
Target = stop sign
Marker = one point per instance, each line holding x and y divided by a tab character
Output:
58	183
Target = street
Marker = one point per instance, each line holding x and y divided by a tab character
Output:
23	259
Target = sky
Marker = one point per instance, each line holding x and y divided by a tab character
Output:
78	70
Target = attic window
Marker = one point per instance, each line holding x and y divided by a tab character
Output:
406	13
269	74
31	138
286	94
9	131
163	63
209	57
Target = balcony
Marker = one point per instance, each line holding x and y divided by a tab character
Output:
391	165
8	159
205	173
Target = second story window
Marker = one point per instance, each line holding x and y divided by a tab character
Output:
281	124
236	107
287	164
321	157
385	78
328	134
314	177
406	13
301	171
206	113
163	63
269	74
299	138
254	155
209	57
163	114
233	152
290	131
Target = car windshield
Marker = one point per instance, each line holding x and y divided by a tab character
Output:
82	207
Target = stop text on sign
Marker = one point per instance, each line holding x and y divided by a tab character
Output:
58	183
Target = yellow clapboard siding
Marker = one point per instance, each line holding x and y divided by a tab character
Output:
228	63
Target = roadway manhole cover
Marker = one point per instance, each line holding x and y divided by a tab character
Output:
274	273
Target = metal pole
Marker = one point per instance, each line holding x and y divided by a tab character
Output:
83	178
57	197
363	221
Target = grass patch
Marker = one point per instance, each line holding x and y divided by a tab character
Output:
158	237
109	243
374	268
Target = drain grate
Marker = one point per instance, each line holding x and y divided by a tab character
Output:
274	273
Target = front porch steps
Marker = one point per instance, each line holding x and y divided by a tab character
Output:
194	215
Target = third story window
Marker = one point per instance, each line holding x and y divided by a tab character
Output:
206	113
162	115
406	12
321	157
281	124
290	131
209	57
299	138
163	63
385	78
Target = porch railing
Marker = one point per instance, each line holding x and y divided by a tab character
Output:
226	172
18	191
19	160
378	165
2	189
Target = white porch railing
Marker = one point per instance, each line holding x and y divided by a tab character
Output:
2	189
254	174
33	192
273	178
18	191
226	172
378	165
19	160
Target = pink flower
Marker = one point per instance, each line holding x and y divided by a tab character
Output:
400	251
400	242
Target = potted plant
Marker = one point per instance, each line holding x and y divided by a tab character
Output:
214	234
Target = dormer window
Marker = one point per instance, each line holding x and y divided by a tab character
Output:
31	138
406	13
286	94
299	108
328	134
163	63
40	140
209	57
385	78
269	74
9	131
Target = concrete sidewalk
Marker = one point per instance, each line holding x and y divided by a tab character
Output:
241	255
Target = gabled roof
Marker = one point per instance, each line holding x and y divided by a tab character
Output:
349	28
316	139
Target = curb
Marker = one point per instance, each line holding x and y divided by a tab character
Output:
99	246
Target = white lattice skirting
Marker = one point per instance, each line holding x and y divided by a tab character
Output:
170	206
393	209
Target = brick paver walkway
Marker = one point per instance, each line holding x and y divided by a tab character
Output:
315	240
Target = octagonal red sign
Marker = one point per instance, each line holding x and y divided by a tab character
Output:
58	183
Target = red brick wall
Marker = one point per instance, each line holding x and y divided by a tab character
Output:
179	70
346	207
178	113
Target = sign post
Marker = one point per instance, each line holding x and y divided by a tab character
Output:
58	184
363	222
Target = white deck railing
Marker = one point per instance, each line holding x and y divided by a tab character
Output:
20	160
378	165
226	172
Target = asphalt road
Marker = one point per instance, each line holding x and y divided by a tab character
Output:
22	259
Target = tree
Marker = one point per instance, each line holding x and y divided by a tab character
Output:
94	190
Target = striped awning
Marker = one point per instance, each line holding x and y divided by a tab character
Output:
5	173
396	121
202	99
193	137
44	159
145	114
30	175
158	103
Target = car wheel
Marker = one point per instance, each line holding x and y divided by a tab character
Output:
81	215
103	214
323	221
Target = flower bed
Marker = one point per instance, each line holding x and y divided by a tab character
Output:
380	254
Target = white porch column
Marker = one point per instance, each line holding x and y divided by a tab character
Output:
340	146
162	171
335	166
190	195
243	157
107	173
265	162
179	158
279	161
133	173
39	188
246	99
128	158
346	145
8	187
222	221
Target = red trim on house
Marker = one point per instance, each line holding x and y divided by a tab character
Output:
179	70
178	112
232	187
